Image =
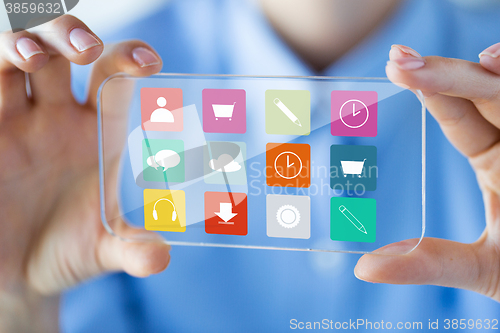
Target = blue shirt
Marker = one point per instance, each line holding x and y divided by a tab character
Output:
267	289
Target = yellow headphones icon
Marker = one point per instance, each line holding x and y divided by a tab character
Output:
155	213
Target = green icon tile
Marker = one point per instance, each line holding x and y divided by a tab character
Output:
163	160
288	112
353	219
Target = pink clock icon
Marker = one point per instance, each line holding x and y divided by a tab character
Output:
354	113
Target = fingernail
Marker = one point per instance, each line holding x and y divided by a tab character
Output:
396	248
145	57
407	50
27	48
407	64
407	59
82	40
492	51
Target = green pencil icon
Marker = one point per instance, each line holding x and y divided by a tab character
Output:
352	219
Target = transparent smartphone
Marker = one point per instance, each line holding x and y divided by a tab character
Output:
290	163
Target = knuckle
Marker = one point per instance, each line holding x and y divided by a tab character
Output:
66	20
487	167
9	38
133	43
487	255
64	23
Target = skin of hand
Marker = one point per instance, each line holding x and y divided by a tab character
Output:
464	97
52	236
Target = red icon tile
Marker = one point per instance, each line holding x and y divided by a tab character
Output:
226	213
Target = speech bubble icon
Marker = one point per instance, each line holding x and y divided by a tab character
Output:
164	158
152	163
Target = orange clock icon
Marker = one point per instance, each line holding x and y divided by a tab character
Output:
287	164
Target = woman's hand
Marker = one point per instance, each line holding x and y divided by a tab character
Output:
464	97
51	233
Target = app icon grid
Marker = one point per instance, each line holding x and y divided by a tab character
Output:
287	112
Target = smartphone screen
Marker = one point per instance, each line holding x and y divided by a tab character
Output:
293	163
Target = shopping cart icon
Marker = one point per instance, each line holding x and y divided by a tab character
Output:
223	110
352	167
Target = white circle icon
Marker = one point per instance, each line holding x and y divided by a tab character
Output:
351	117
161	101
288	216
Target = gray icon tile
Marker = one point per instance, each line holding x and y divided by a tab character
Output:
224	163
288	216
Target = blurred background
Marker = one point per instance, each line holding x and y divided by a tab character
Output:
111	17
251	291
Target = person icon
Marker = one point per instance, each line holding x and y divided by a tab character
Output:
162	115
